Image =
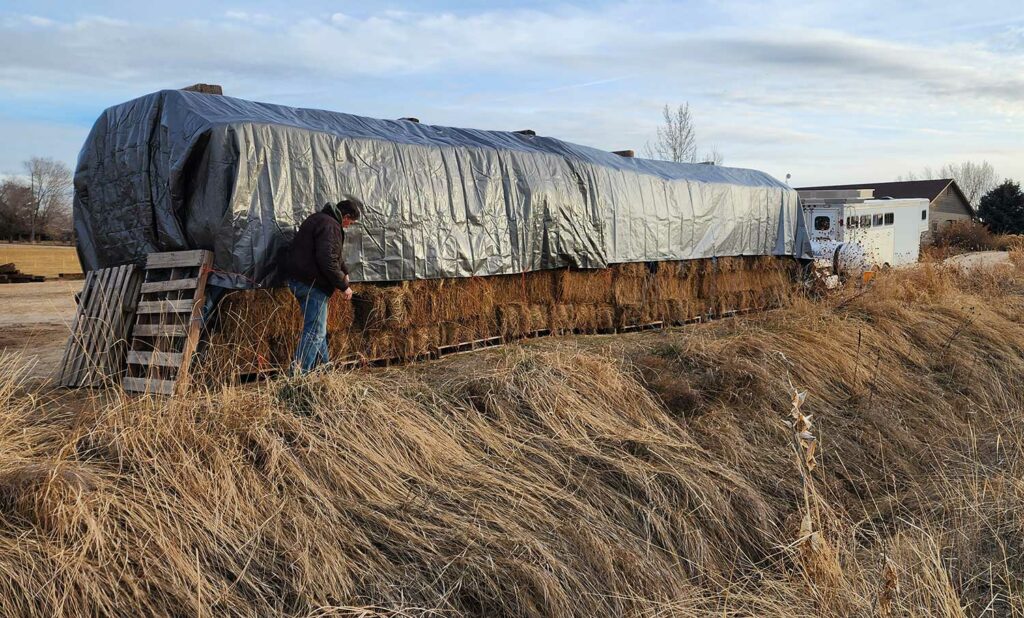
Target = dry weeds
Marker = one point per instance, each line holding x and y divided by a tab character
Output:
646	475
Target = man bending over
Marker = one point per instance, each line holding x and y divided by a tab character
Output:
315	266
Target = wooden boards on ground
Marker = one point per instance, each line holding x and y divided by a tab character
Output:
95	351
167	322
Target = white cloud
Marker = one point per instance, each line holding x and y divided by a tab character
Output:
259	19
41	22
400	43
760	88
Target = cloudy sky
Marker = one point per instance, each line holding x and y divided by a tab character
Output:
826	91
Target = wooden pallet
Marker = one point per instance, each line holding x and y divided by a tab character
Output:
95	352
167	322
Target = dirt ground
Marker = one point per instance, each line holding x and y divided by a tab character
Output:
35	320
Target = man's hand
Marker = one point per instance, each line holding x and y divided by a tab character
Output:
347	293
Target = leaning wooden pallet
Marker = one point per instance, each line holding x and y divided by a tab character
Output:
167	322
95	351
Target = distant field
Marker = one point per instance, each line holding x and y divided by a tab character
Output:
44	260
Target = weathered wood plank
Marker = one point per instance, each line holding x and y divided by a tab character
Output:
156	359
174	259
165	306
194	322
88	339
71	349
105	335
147	385
159	330
169	286
126	301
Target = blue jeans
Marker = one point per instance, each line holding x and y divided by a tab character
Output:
312	350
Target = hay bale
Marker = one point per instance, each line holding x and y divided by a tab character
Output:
673	311
583	286
675	281
342	345
380	308
604	317
512	320
630	315
455	333
561	318
246	326
628	289
379	345
454	300
415	342
636	270
516	320
593	318
538	318
532	288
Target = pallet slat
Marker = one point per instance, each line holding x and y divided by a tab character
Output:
169	286
175	259
157	359
105	335
165	306
147	385
70	352
159	330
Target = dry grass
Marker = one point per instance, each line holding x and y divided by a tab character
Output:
642	475
46	260
965	236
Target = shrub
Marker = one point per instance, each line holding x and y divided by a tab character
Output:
968	236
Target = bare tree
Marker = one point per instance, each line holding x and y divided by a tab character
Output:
15	209
974	179
713	156
50	183
677	139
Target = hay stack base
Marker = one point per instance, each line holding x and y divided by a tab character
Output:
256	331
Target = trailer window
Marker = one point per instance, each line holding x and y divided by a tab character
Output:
888	218
851	222
876	220
924	215
865	220
822	224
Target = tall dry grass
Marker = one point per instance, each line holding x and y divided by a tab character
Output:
645	475
966	236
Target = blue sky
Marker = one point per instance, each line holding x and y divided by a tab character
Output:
825	91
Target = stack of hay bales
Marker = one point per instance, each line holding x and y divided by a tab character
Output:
258	329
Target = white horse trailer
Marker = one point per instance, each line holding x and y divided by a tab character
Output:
857	232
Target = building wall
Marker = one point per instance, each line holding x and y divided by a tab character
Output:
946	208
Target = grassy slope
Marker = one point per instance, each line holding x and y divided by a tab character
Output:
641	475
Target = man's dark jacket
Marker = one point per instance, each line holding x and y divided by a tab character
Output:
315	256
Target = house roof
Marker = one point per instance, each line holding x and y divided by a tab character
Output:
928	189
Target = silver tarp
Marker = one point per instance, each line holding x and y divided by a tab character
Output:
180	170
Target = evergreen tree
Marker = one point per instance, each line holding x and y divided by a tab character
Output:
1002	209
